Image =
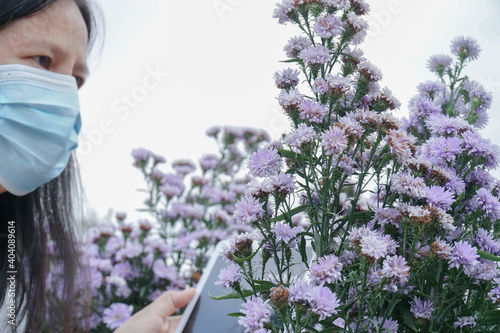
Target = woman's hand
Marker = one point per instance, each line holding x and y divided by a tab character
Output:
157	316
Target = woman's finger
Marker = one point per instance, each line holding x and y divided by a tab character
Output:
169	301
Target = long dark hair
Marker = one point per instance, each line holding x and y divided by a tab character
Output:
43	216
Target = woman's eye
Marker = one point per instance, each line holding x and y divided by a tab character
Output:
79	81
43	61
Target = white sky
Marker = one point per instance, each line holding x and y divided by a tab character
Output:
168	70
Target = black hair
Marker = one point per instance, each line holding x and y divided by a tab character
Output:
42	216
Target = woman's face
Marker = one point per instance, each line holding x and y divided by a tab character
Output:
54	39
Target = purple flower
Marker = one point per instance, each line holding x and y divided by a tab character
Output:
338	84
388	216
284	232
352	127
323	302
299	292
209	161
257	314
462	322
440	124
465	47
464	255
290	100
161	270
116	315
286	78
368	70
439	63
486	202
334	140
494	294
422	106
265	162
396	271
140	155
328	26
320	86
486	271
443	149
406	183
172	185
283	11
357	22
313	111
229	276
374	246
439	197
400	144
431	87
442	249
315	55
248	210
421	309
486	242
480	98
475	145
301	136
295	45
338	4
375	325
183	167
327	270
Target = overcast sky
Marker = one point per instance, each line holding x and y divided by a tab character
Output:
168	70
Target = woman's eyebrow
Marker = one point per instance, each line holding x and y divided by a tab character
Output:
79	67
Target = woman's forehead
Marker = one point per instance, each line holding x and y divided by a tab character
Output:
61	22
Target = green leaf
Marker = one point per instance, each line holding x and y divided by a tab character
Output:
264	285
302	250
292	212
429	278
291	60
236	314
232	295
488	256
408	319
290	154
492	318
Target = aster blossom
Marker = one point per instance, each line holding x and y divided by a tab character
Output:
265	162
229	276
326	270
421	309
323	302
334	140
465	47
315	55
329	26
284	232
257	314
464	256
248	210
116	315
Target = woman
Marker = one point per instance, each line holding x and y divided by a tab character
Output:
43	50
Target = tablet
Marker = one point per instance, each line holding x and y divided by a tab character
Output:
204	314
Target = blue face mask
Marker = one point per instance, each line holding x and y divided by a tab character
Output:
39	125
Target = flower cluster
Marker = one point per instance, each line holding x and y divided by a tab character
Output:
394	222
195	211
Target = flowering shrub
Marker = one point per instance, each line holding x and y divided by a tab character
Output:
401	216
